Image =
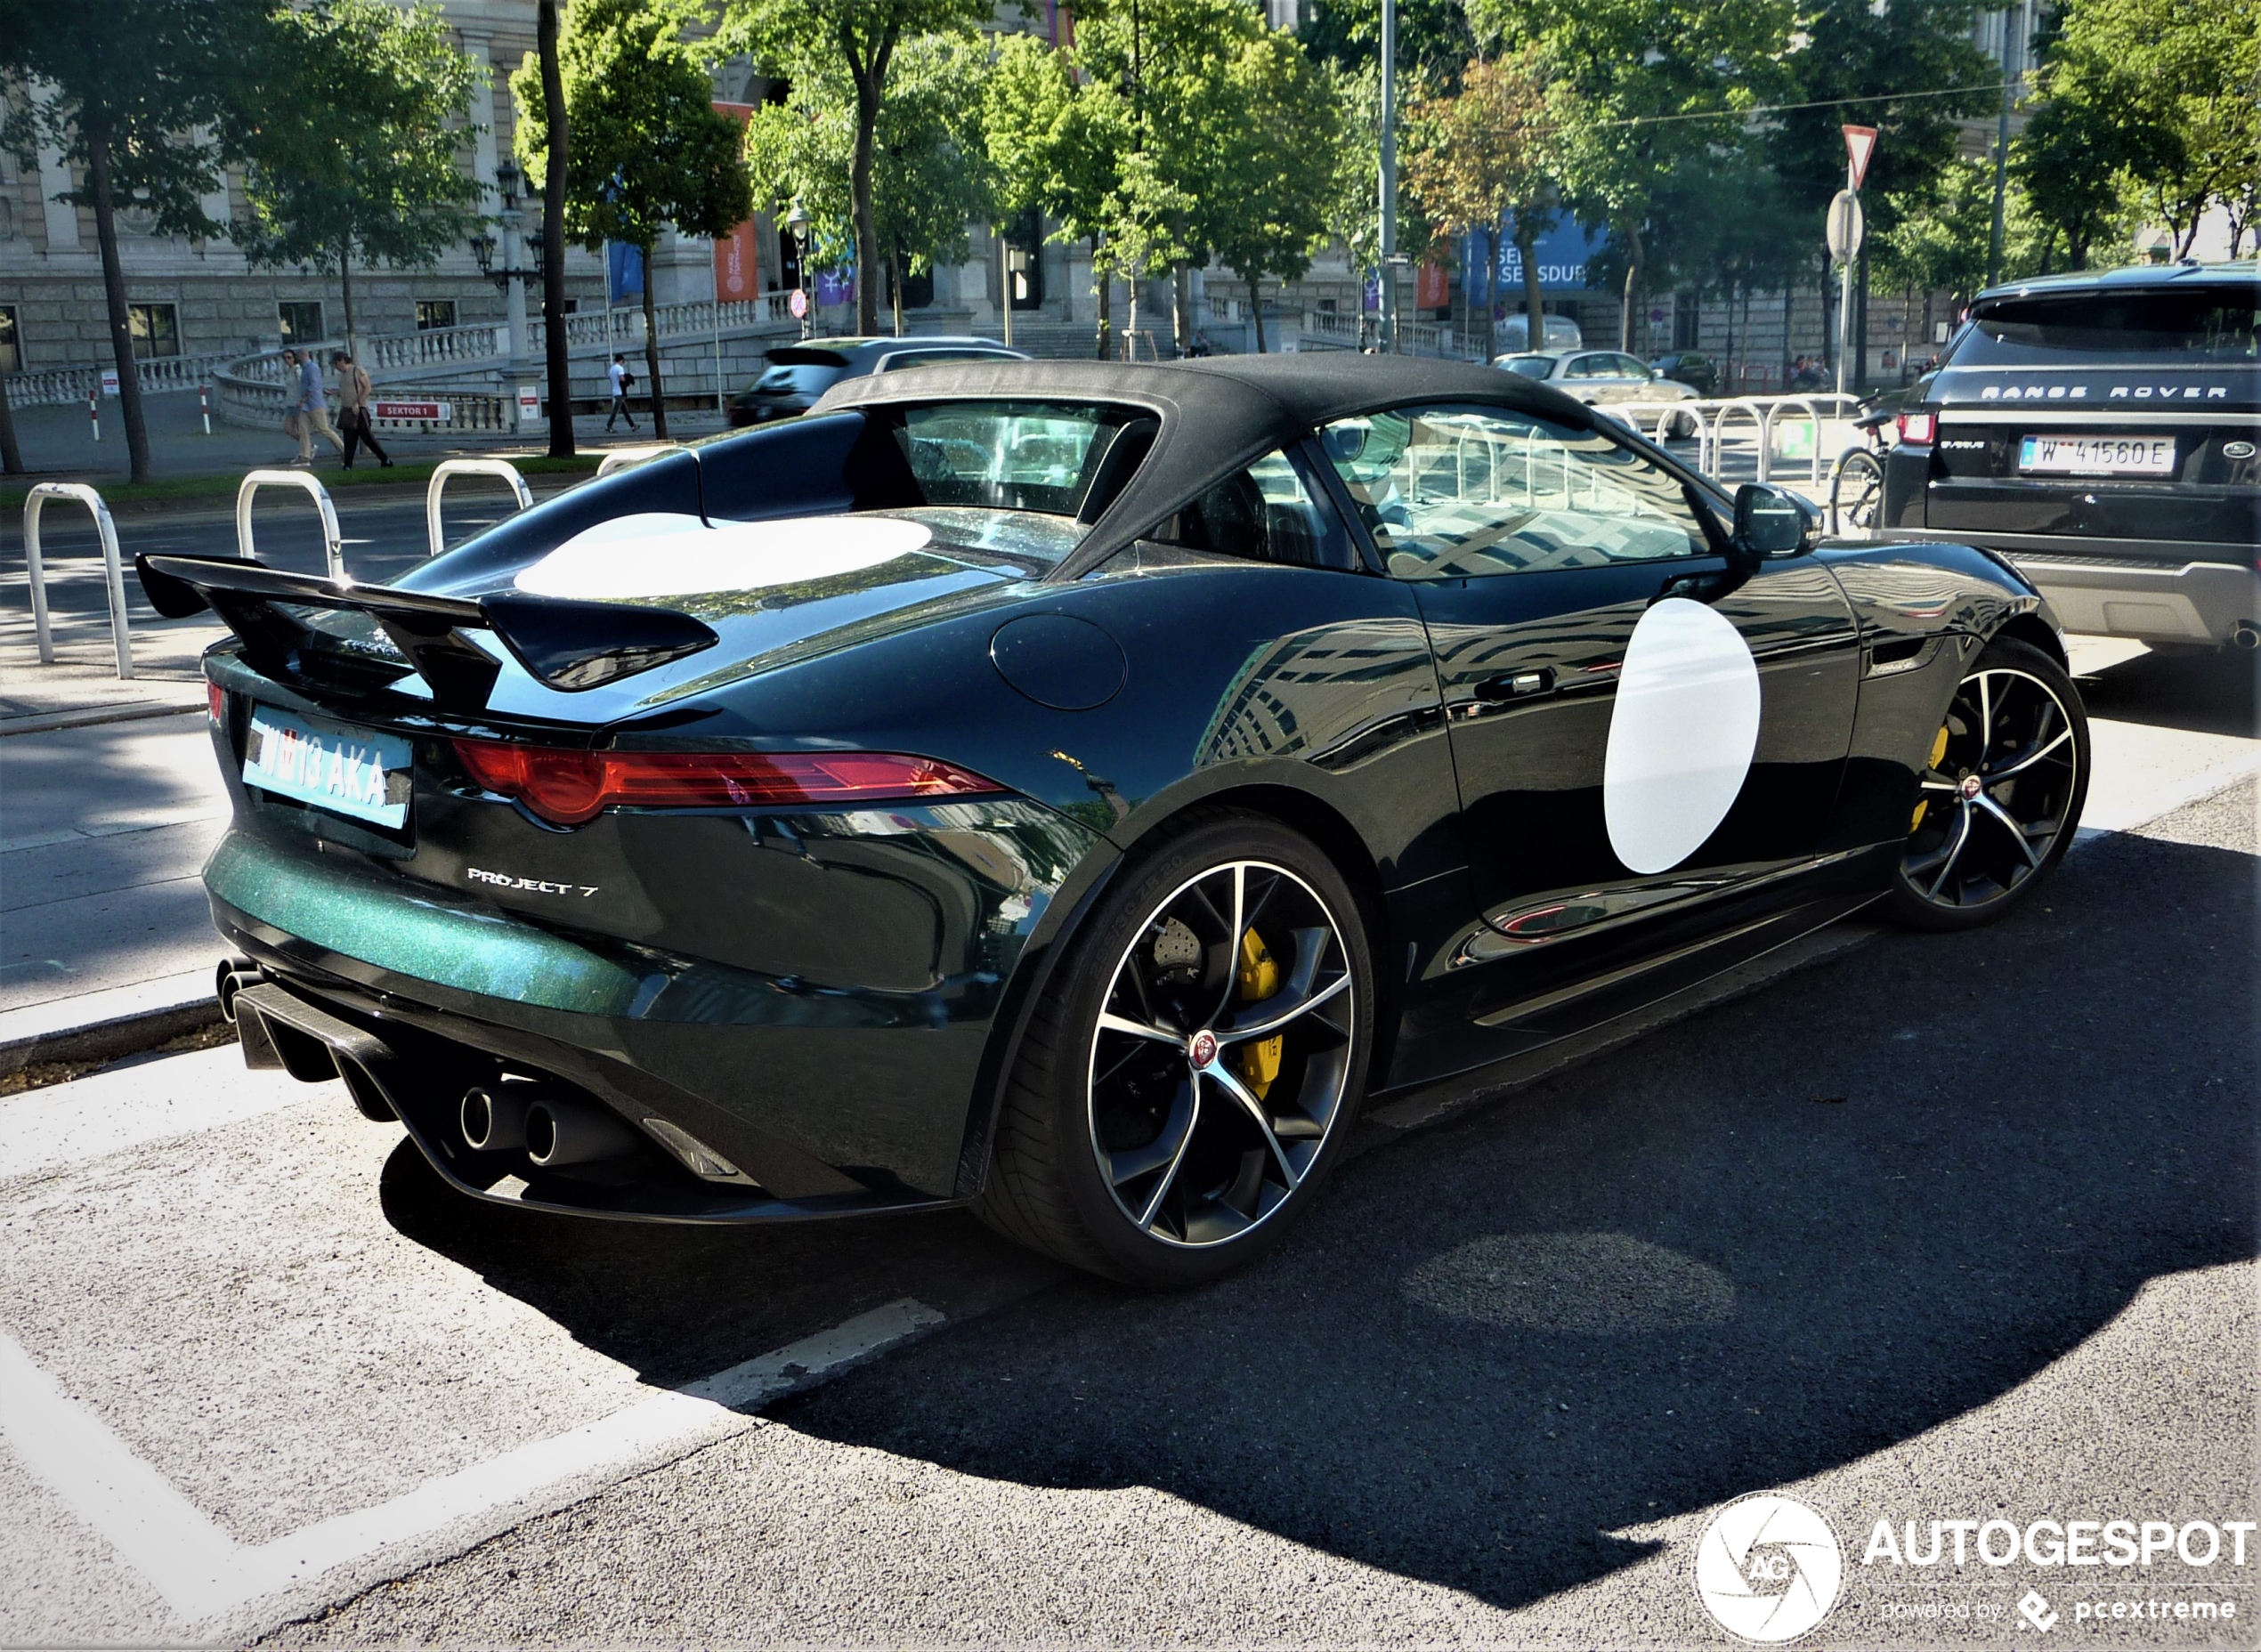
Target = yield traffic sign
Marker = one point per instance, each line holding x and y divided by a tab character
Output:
1861	143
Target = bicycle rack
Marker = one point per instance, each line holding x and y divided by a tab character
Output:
628	458
113	574
254	481
446	468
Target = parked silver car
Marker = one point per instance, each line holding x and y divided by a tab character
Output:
1597	376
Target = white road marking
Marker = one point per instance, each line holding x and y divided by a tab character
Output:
145	1101
201	1571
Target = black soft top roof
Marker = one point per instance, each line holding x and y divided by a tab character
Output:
1215	415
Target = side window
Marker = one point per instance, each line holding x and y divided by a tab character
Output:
1461	492
1631	367
1265	514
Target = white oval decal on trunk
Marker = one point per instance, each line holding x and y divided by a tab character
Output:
1680	735
669	553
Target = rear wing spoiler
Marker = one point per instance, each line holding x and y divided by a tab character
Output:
567	645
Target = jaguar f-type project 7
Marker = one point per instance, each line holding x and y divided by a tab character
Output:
1071	789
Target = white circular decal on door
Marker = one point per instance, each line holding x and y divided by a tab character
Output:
669	553
1680	735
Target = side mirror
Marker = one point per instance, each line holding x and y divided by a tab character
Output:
1767	523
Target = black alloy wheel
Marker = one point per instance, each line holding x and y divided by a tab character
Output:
2000	796
1186	1084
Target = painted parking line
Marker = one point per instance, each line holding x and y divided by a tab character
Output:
201	1572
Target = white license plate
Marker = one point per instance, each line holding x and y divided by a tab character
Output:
347	771
2097	456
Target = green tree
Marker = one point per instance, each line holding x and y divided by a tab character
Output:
930	170
1266	214
1054	148
1624	77
804	40
136	82
1475	157
649	147
1434	38
351	151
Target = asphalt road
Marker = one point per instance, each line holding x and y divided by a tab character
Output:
1932	1228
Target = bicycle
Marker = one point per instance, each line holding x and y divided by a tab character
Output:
1856	480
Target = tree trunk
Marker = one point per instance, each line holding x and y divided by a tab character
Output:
651	352
1633	291
346	280
1181	308
1130	322
11	456
1256	313
870	78
1727	356
1858	367
1526	245
121	331
894	289
1105	283
557	347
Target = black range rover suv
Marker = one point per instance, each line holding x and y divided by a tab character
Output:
2101	432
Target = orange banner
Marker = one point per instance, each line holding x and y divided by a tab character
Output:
737	256
1432	287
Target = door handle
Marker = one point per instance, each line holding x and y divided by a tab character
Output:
1515	686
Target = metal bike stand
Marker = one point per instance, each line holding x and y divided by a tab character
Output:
113	574
446	468
254	481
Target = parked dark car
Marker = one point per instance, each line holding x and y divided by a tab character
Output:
2104	433
1069	790
799	374
1699	372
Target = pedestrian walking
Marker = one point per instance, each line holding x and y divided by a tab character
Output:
294	423
623	381
313	410
354	410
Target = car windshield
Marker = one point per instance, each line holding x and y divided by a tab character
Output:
1529	366
808	378
2190	324
1018	456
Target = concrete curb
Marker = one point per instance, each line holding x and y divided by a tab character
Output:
105	1025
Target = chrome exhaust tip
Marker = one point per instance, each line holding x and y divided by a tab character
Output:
571	1132
2246	635
492	1117
232	976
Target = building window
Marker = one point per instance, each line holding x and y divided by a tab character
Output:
1688	317
430	312
156	331
302	323
11	341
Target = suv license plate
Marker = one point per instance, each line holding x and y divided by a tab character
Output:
347	771
2097	456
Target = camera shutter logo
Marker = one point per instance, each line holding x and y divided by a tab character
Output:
1768	1569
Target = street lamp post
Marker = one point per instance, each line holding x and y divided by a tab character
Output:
507	181
796	221
1386	330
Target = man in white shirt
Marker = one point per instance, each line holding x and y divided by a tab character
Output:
622	379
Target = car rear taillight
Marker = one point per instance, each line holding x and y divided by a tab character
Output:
1918	428
567	787
216	698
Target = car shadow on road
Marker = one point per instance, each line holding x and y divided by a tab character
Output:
2201	691
1782	1236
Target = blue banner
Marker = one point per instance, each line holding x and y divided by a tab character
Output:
623	273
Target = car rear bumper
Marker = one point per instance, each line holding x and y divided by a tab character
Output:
2176	594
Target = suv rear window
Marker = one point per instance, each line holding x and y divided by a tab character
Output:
2193	324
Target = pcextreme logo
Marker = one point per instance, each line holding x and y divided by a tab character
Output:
1768	1569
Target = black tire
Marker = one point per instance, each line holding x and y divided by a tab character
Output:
1979	846
1856	492
1086	1105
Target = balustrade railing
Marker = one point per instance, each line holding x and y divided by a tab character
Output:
59	387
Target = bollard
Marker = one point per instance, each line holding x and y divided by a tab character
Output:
94	412
333	546
204	405
446	468
113	572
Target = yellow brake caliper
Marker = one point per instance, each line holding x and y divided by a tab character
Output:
1259	978
1939	750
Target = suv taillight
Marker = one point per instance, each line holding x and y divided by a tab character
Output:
1917	429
